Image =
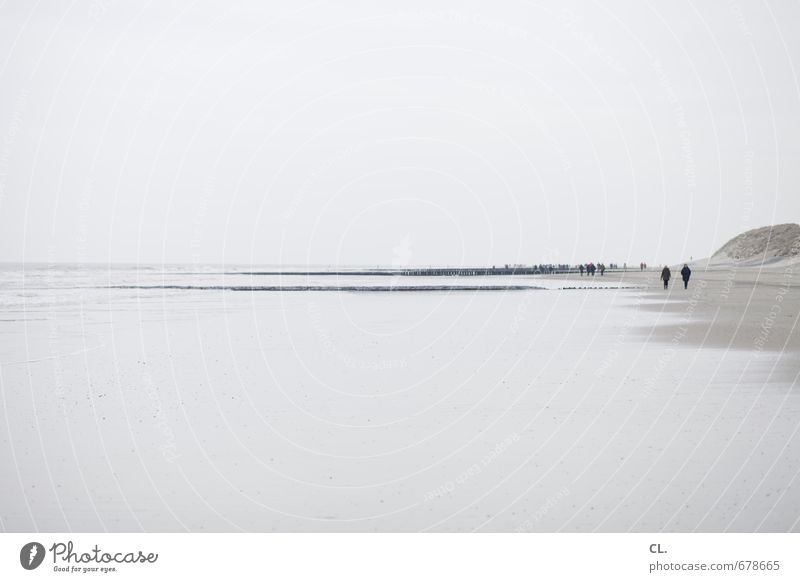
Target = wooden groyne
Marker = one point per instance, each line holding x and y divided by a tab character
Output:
422	272
337	288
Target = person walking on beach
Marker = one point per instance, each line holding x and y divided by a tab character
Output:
581	268
602	269
686	272
665	275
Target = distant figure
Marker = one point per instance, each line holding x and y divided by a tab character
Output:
665	275
641	266
581	268
686	272
602	269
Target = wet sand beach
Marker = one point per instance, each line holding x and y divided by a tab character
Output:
549	409
751	309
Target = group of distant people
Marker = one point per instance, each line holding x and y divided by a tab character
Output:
591	268
549	269
666	274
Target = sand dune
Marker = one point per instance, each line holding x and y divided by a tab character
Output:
776	245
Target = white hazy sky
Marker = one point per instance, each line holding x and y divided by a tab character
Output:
394	132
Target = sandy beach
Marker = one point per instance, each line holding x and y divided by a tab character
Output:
535	410
753	309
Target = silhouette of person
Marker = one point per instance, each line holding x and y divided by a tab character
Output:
581	268
665	275
686	272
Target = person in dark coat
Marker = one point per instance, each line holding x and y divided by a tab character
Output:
581	268
686	272
665	275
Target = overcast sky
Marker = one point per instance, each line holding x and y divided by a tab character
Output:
394	133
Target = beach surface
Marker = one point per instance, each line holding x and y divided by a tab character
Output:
751	309
131	405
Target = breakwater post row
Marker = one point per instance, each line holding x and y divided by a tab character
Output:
432	271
